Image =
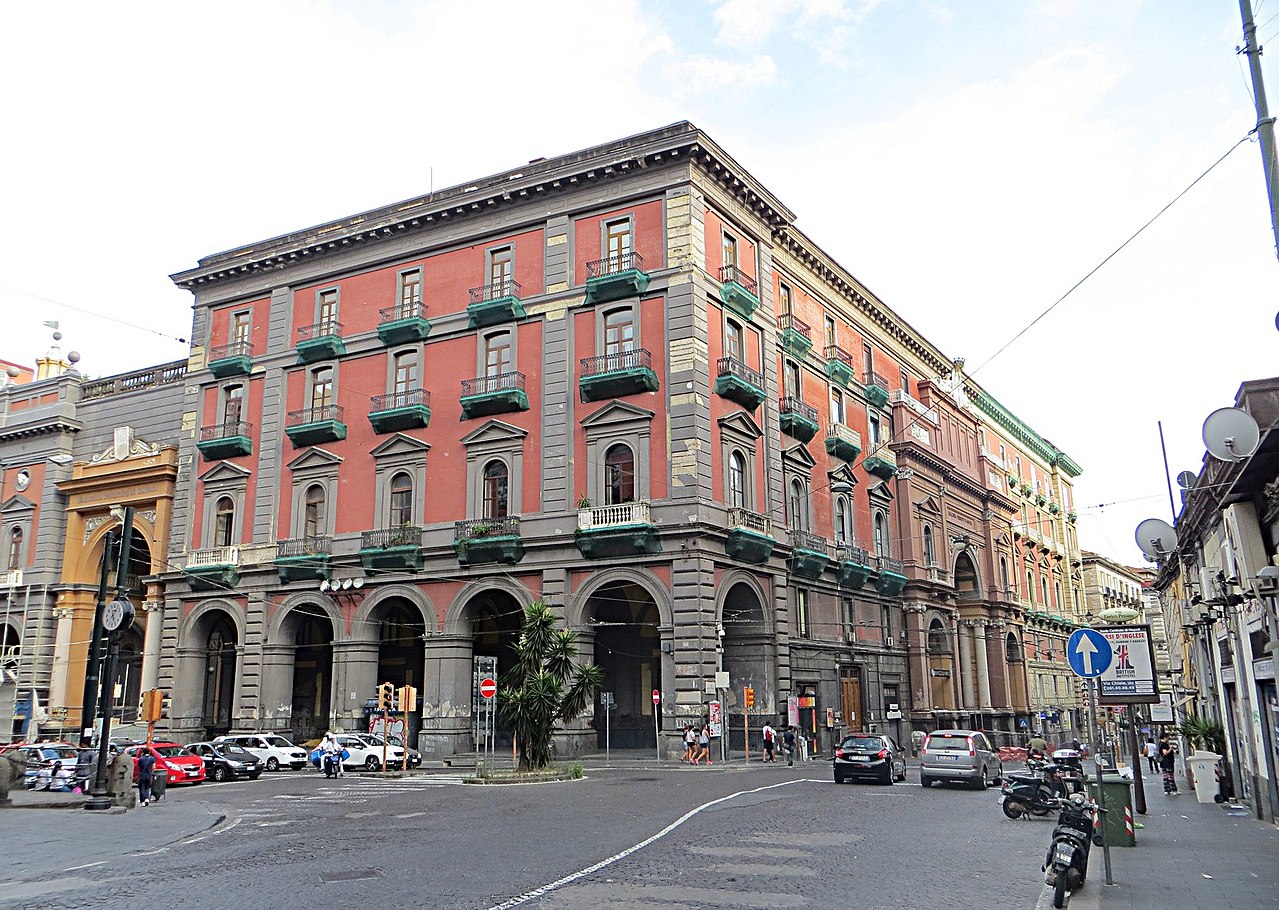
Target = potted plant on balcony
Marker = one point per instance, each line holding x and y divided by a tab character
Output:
583	501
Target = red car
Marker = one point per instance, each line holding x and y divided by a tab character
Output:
182	765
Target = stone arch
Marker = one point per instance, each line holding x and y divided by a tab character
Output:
91	553
749	650
967	581
574	612
197	624
941	659
363	620
740	576
283	613
455	619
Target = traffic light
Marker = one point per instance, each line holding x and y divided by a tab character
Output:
152	705
386	696
749	698
406	699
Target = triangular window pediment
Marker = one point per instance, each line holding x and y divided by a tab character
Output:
742	424
798	456
17	503
225	472
401	444
929	505
617	412
314	459
494	431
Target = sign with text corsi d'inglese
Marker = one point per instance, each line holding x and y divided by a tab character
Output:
1130	679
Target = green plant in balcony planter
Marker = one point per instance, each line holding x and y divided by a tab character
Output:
481	531
583	502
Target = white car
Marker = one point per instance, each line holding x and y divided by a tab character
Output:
275	751
366	752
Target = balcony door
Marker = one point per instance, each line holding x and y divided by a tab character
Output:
617	242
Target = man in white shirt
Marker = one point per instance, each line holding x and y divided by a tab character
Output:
770	743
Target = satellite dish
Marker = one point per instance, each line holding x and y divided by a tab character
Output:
1231	434
324	584
1186	479
1156	538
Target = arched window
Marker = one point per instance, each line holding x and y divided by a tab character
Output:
314	511
224	522
930	555
881	535
843	521
1057	591
1043	590
796	511
619	475
737	480
619	331
401	500
1012	650
499	354
496	490
938	640
14	561
1003	574
1030	585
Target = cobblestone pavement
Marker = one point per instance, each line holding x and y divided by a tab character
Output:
634	835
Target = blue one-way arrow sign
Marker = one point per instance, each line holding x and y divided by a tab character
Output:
1089	653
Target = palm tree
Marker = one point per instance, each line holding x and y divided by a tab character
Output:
545	686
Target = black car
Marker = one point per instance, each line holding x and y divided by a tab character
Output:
869	755
226	761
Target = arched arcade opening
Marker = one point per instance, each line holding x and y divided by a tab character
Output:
625	621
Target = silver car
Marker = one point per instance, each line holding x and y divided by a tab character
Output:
959	755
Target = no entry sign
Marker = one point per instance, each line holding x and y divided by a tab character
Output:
488	688
657	697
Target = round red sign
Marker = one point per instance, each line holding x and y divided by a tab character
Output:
657	697
488	688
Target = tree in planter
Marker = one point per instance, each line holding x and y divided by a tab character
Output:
546	685
1204	733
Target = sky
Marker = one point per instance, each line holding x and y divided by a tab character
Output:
968	161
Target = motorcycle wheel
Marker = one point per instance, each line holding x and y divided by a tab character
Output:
1039	812
1013	809
1059	889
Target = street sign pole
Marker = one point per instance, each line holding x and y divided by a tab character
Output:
608	733
657	731
1096	757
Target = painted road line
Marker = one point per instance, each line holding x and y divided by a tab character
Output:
101	862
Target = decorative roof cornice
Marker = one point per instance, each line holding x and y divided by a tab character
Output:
1051	455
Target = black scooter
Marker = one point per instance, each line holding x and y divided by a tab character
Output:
1037	793
1066	866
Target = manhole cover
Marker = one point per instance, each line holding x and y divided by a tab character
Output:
351	875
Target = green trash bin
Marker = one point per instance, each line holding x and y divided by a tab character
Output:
1114	823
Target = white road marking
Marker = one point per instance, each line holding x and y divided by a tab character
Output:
569	879
273	824
100	862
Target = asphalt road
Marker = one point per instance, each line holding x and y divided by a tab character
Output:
633	836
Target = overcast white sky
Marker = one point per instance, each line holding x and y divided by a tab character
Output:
969	161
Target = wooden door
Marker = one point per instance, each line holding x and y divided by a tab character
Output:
851	685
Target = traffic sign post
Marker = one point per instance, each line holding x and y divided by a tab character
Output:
1096	757
1089	653
657	731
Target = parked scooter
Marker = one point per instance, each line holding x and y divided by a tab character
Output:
1066	866
1037	793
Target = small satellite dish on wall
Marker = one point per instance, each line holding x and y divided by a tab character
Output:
1186	479
1156	538
1231	434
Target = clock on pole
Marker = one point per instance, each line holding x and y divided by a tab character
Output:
117	615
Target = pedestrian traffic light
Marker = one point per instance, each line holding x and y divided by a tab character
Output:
749	698
386	696
406	699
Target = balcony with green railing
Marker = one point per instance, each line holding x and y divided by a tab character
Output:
321	341
739	291
495	303
213	569
809	556
396	549
615	277
315	425
618	530
882	462
876	389
409	409
738	382
891	579
405	323
303	558
498	394
839	365
617	375
233	359
796	336
855	565
799	421
843	442
477	541
226	440
750	536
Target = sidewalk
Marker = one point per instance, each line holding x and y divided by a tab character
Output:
1189	856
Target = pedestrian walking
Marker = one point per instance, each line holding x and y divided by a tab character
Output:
146	769
690	740
703	745
770	743
788	741
86	759
1152	755
1168	764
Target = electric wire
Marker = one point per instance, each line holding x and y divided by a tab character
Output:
95	315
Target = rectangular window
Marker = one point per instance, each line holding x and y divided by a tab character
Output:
791	378
730	249
619	331
850	618
836	406
783	298
617	244
321	388
905	381
872	424
328	309
410	293
405	378
869	357
240	327
501	267
830	332
734	341
232	404
497	354
802	626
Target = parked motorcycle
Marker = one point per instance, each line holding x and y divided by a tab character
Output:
1037	792
1066	866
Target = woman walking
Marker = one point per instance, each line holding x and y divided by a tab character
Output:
689	751
703	745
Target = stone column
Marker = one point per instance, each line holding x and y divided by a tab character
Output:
354	681
446	697
920	673
983	664
276	693
967	697
154	611
58	678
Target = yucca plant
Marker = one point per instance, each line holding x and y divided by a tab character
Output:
1204	733
546	685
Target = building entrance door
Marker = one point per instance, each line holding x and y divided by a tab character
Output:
851	689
